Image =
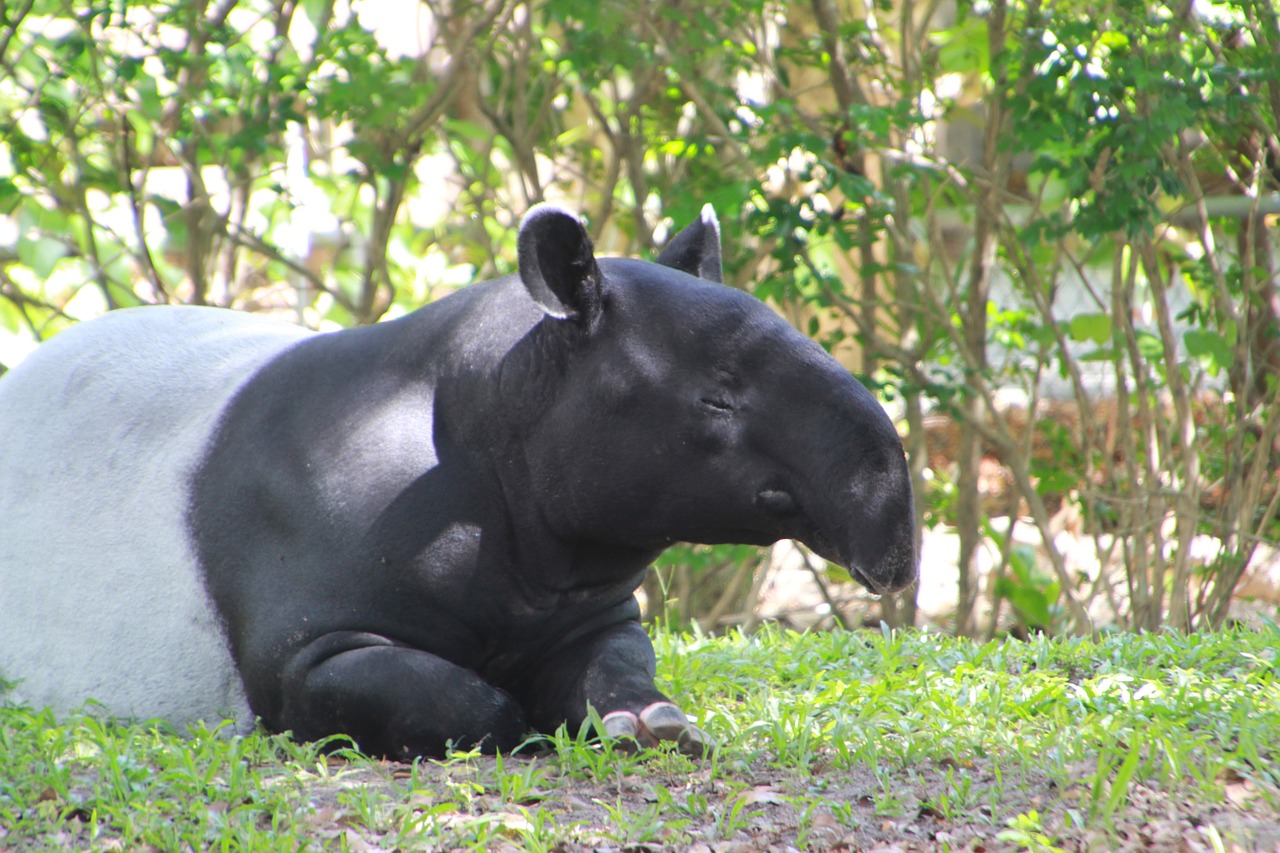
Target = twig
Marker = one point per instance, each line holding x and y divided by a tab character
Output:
814	570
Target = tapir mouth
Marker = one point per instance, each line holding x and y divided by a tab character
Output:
892	574
873	585
889	575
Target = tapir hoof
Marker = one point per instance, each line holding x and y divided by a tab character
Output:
659	722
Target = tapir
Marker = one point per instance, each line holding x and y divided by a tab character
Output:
426	533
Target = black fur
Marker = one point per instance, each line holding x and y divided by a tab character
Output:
430	530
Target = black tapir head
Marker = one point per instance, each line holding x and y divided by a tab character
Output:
686	410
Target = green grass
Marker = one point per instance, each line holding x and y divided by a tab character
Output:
827	741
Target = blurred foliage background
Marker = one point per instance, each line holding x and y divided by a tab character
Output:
1044	233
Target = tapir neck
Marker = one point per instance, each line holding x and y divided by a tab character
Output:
490	410
597	566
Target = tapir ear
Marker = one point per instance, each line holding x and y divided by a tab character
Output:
696	249
558	264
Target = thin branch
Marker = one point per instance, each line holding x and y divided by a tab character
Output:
12	24
832	605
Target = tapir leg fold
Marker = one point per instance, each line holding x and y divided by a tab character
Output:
395	701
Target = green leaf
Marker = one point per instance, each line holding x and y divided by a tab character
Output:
1150	346
144	133
1119	791
839	574
1113	40
11	319
1211	348
9	195
964	49
1090	327
1032	603
41	255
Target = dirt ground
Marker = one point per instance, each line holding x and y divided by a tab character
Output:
764	809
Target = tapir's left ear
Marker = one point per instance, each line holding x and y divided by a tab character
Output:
558	264
696	249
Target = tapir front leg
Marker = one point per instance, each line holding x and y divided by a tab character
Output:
612	671
394	700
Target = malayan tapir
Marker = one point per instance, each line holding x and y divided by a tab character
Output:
428	531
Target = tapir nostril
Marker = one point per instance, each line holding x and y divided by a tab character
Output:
777	502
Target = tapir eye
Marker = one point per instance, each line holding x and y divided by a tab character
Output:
717	404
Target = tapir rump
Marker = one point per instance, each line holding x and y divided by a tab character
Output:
426	532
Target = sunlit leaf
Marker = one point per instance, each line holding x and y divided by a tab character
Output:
1090	327
41	254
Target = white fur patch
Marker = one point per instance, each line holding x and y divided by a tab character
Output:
100	595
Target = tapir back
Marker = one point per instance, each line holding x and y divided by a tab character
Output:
100	429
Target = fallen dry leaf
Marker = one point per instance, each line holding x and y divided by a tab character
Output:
1241	793
761	795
